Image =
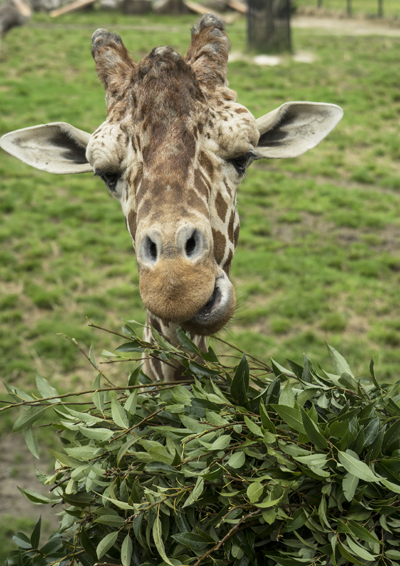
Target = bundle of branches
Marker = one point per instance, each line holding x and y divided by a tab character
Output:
232	466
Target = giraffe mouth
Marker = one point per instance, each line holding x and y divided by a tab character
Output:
212	304
217	311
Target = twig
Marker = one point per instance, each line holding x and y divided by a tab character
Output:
75	343
39	401
128	430
266	366
232	532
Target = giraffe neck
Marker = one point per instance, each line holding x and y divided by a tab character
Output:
157	369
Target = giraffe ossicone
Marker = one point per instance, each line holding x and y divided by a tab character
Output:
173	149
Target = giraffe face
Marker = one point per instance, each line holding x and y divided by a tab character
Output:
173	149
174	156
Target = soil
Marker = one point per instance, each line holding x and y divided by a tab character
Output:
17	468
331	26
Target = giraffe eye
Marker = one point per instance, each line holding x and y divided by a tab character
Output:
109	178
240	163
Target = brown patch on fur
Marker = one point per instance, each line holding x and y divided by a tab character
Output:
206	163
229	190
227	264
219	245
131	221
231	235
221	206
197	203
201	184
236	235
241	111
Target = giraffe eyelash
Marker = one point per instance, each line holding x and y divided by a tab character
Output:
241	162
109	178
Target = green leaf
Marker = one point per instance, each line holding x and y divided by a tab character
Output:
359	550
240	382
371	370
339	363
312	431
162	341
221	443
254	491
45	389
392	433
65	460
158	539
133	346
198	489
98	397
22	541
251	425
35	536
361	532
28	417
268	502
202	371
371	431
186	342
191	540
110	520
31	441
265	420
101	434
131	403
118	414
286	397
350	483
106	543
37	497
126	551
125	447
291	416
357	468
237	460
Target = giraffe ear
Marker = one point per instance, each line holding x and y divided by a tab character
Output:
208	51
294	128
55	148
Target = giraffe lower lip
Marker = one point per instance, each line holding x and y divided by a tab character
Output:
211	305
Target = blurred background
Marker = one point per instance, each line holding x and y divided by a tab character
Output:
318	258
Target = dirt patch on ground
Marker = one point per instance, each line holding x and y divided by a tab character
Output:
335	26
17	468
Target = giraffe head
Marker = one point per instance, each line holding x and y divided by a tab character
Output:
173	149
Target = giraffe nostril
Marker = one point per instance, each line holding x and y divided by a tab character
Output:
150	250
192	244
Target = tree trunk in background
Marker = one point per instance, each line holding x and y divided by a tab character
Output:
268	26
319	3
349	11
380	8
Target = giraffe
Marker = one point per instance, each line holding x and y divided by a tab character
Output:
173	149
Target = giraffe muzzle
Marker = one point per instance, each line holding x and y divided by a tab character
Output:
218	310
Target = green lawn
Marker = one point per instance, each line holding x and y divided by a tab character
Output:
318	257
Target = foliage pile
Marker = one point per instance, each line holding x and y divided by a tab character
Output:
244	466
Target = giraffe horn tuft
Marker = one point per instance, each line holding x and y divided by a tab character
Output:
208	51
114	65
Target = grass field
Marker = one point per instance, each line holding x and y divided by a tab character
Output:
318	256
391	8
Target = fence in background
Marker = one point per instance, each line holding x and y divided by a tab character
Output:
377	8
